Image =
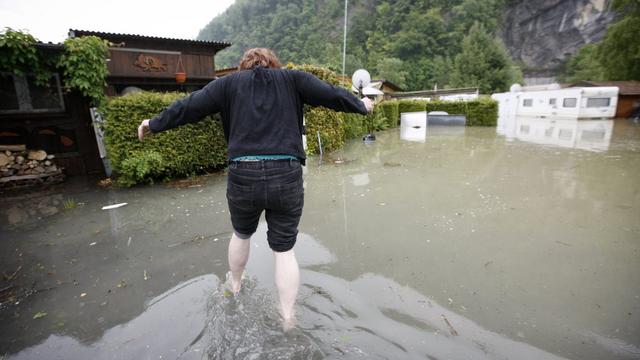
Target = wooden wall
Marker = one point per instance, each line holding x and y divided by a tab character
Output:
46	130
158	64
626	105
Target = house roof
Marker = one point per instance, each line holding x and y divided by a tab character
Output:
630	87
389	84
439	92
145	42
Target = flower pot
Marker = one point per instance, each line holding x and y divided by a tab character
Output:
181	77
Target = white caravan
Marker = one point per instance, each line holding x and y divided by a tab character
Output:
576	103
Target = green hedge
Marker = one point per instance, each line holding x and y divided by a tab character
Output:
411	106
481	112
182	151
391	112
355	125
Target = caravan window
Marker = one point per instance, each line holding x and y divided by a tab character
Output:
527	102
598	102
569	102
552	101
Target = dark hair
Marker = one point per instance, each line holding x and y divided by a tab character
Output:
259	57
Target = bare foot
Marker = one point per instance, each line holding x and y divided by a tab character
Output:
232	286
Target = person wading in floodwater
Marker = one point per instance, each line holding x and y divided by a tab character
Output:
261	111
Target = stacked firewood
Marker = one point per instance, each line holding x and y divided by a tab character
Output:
25	167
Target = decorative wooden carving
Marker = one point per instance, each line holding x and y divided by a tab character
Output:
150	63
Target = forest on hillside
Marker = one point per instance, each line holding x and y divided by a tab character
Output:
414	44
411	43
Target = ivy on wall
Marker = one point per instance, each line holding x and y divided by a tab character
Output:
83	63
18	55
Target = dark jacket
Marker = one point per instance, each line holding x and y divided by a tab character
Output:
261	109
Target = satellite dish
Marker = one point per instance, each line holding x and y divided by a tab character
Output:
361	79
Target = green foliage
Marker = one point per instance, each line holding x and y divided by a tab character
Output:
410	106
182	151
481	112
617	56
330	125
392	69
140	167
307	31
378	120
483	63
584	65
18	55
391	112
619	52
84	64
355	125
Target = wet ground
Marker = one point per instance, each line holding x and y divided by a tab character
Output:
464	244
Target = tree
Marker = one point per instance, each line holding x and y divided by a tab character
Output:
617	56
619	52
584	65
483	63
392	69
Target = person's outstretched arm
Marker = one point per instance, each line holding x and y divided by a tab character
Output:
190	109
316	92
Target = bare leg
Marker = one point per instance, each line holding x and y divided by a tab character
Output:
287	277
238	257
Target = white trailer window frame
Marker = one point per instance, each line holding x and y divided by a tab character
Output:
569	102
597	102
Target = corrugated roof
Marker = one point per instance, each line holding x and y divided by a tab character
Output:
106	35
630	87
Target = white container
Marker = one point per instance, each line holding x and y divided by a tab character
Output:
413	126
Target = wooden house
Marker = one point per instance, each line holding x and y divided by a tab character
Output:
153	63
60	122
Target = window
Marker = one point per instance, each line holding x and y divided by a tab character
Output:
552	101
20	94
527	102
569	102
565	134
598	102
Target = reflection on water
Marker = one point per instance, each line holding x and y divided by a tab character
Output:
466	245
593	135
369	317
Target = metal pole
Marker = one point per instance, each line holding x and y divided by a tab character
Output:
344	40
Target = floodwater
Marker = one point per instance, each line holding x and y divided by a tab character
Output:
449	243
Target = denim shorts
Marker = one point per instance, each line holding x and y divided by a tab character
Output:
274	186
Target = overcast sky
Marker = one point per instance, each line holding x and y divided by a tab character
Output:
50	20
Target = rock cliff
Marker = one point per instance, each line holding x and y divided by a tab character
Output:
542	34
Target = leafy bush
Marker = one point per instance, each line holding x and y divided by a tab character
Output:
330	124
140	167
411	106
481	112
84	64
355	125
182	151
391	113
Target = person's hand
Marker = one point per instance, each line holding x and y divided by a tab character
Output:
143	129
367	104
